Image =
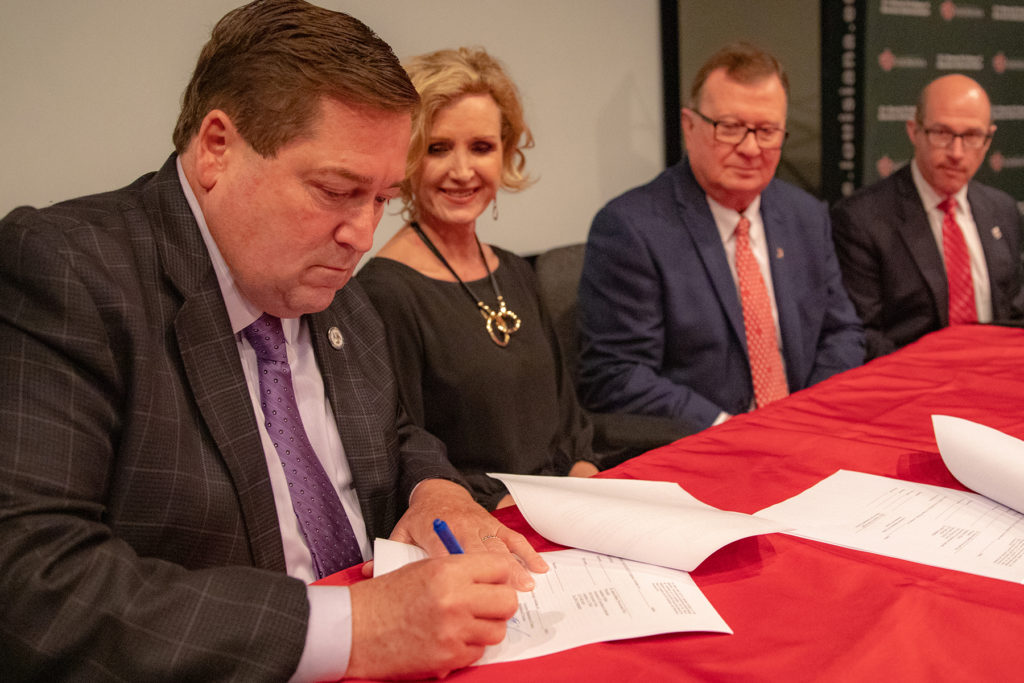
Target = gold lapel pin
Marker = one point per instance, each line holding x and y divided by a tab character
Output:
997	233
779	253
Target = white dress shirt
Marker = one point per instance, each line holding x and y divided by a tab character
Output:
726	220
979	269
329	634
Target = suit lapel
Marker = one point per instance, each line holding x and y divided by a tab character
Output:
915	230
213	369
780	240
696	219
991	235
335	347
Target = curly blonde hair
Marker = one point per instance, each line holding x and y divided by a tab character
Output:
443	76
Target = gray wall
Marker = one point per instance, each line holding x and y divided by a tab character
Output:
90	93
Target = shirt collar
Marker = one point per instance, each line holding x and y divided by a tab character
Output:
726	219
929	197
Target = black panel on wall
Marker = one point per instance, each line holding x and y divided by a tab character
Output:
842	97
669	12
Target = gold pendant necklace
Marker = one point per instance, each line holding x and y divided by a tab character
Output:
500	324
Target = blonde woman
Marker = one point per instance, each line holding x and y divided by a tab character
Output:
474	351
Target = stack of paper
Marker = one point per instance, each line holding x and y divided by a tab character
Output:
970	532
586	598
644	537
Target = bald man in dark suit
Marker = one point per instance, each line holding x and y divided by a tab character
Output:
889	236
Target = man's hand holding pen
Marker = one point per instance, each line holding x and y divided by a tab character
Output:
447	608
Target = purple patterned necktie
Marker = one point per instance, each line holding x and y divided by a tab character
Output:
315	501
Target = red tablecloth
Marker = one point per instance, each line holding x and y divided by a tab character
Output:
808	611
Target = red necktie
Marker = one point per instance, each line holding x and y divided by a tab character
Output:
762	345
958	267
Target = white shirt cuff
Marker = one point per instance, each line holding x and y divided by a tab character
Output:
328	637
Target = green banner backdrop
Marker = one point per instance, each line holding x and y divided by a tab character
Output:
876	57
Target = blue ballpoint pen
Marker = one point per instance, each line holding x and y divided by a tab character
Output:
445	534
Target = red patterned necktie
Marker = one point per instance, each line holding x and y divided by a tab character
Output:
326	527
958	267
762	345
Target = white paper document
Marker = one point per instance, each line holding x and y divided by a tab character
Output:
918	522
982	459
649	521
586	598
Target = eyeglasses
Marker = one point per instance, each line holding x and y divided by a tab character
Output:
733	133
943	137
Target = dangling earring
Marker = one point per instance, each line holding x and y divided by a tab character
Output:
494	209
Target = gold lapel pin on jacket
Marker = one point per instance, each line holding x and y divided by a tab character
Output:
997	233
779	253
334	336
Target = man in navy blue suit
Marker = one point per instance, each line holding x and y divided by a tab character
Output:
665	330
